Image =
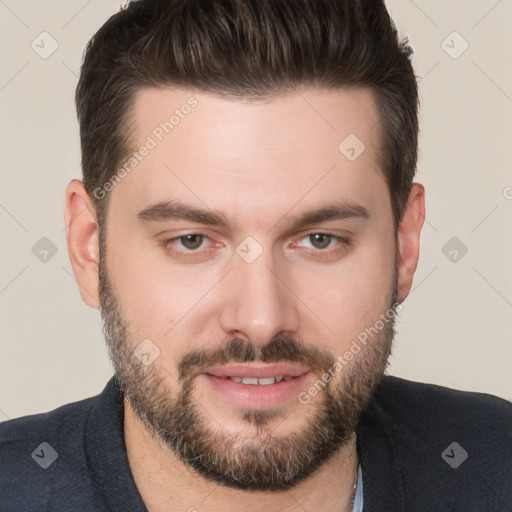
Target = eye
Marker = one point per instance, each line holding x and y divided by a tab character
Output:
190	245
320	240
191	242
322	244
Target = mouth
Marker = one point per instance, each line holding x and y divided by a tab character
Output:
257	386
260	381
257	371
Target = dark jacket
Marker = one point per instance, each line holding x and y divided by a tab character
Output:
421	448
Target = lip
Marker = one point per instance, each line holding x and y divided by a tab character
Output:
257	397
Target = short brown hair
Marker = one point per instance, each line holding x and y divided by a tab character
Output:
246	49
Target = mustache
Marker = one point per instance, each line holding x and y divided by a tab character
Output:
280	349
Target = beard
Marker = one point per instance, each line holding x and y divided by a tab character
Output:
265	462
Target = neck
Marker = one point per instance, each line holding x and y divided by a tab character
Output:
167	484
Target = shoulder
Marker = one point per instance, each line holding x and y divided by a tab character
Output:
39	452
425	415
415	402
444	446
64	425
60	421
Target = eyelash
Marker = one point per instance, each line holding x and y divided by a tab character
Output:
343	243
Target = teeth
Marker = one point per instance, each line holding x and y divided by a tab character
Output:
250	380
265	381
254	381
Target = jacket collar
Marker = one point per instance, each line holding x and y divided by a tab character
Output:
106	451
379	456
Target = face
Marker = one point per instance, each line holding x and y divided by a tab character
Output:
248	278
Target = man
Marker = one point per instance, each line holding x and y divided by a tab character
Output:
249	226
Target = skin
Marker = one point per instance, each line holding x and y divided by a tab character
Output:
261	164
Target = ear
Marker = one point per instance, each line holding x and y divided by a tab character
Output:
82	234
408	244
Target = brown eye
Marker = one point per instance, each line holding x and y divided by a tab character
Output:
192	247
191	242
320	240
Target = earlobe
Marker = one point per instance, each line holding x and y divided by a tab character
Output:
408	243
82	234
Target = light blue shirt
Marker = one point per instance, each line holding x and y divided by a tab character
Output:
358	499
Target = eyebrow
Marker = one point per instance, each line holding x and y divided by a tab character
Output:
175	210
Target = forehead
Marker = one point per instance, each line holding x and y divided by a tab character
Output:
304	116
305	147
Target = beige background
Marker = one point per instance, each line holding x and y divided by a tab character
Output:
455	329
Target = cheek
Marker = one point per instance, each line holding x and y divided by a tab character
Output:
156	303
349	298
163	302
147	296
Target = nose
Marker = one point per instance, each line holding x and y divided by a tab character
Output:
259	304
